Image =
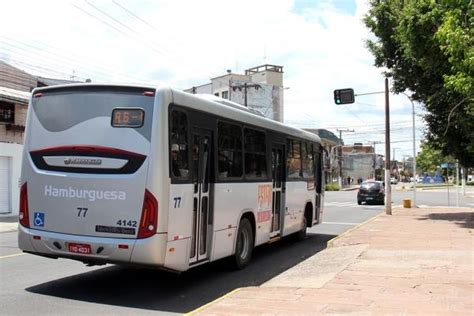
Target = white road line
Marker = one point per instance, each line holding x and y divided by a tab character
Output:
341	223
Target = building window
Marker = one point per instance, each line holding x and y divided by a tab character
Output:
225	94
7	113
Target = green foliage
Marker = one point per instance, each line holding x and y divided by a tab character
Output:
427	47
332	187
430	158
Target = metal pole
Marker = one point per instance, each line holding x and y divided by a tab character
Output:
463	180
414	153
375	163
245	93
457	184
447	183
388	189
340	160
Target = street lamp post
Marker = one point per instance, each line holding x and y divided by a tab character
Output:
414	147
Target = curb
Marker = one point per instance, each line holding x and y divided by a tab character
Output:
330	243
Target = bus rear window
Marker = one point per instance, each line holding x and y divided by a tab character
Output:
58	111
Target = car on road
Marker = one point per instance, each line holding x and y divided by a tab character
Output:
371	192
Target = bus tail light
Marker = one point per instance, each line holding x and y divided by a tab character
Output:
24	212
149	219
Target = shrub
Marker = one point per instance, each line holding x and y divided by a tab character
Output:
332	187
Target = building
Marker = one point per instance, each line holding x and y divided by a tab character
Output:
360	162
260	88
15	89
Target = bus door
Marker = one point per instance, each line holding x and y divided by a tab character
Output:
319	185
202	204
278	188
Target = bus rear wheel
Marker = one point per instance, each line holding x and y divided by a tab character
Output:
244	244
301	235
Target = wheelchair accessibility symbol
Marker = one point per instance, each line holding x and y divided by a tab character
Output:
39	219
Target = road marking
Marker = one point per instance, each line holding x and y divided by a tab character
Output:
212	302
340	223
340	204
14	255
349	204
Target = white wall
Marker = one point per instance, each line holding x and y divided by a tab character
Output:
15	152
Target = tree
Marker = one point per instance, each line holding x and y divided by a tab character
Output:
427	47
429	159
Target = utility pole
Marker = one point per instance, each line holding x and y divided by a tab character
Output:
245	93
388	187
245	86
395	165
375	156
340	153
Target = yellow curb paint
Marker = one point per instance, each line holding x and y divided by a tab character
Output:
197	310
14	255
330	243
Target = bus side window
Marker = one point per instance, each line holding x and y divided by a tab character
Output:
308	161
179	145
229	150
294	159
255	154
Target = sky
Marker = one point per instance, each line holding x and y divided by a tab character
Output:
184	43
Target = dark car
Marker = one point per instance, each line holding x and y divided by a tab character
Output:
371	192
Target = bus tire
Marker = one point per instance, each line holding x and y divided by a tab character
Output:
243	244
301	235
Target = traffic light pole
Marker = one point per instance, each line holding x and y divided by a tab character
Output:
345	96
388	186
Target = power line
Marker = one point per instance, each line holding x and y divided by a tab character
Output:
73	63
133	14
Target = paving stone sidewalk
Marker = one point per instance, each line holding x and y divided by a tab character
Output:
416	261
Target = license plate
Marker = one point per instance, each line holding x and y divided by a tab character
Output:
370	198
80	248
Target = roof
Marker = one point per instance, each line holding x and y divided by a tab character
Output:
13	95
54	82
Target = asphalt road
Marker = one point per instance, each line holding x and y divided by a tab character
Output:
40	286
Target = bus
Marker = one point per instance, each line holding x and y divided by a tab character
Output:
153	176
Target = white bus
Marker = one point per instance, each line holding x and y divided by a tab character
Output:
161	178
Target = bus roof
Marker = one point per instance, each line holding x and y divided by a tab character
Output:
237	112
222	107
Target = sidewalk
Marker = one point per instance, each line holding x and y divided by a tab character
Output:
417	261
8	223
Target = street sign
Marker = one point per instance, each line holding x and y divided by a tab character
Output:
344	96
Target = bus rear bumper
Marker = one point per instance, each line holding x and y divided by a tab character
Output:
149	251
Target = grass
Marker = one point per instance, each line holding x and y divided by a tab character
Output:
332	187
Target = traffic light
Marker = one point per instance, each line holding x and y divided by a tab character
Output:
344	96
